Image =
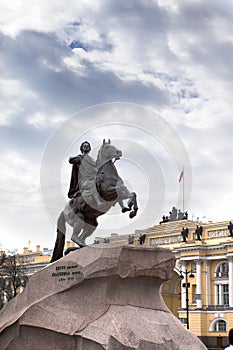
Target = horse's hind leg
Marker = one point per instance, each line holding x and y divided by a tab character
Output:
60	241
88	229
77	228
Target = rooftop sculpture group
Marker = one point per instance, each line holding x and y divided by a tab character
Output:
175	215
95	187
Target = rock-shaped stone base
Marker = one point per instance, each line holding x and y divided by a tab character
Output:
98	297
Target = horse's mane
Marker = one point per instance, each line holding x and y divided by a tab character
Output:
98	159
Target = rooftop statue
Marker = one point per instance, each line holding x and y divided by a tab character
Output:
184	234
230	228
198	232
95	187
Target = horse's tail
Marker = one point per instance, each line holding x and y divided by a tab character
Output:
60	241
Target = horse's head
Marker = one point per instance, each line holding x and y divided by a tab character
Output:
107	152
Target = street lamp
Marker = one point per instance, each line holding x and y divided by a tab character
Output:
186	285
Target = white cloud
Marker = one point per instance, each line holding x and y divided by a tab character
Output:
43	17
60	58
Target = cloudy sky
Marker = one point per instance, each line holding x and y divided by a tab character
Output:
154	76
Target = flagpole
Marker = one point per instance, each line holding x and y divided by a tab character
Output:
183	189
182	179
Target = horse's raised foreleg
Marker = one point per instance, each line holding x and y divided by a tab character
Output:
133	203
123	193
60	241
124	209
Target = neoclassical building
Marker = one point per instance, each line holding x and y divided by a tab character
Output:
200	293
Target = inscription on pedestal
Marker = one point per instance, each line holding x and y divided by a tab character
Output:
66	272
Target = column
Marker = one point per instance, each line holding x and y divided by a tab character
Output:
183	290
230	262
199	284
208	293
216	293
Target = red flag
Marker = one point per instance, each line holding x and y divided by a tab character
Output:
181	175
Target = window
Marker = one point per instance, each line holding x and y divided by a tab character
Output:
225	294
222	294
218	295
222	270
194	294
222	284
220	326
183	320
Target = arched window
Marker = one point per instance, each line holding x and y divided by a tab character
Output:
222	284
222	270
218	325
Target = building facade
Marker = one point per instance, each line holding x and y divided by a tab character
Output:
200	293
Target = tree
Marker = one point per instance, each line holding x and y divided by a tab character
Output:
2	258
11	275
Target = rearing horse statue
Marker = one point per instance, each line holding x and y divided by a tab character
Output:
82	216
